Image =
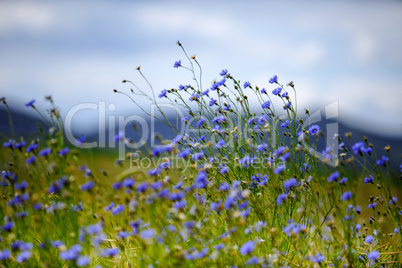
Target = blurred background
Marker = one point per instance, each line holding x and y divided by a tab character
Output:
79	51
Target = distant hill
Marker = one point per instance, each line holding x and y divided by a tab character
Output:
27	125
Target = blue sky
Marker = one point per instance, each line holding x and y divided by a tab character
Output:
78	51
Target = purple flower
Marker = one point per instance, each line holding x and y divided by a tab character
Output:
87	186
147	234
263	91
8	226
110	252
30	104
220	144
212	102
185	153
177	64
224	72
333	177
83	261
5	254
246	84
45	152
163	93
290	183
142	187
246	161
252	261
318	258
285	124
154	172
200	122
279	169
119	137
274	79
369	239
346	196
266	104
23	256
247	248
281	198
118	209
80	140
314	129
373	255
216	205
369	179
201	180
358	148
372	205
277	91
224	169
64	151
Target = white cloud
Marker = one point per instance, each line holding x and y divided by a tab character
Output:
25	15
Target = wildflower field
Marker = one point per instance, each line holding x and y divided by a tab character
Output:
234	187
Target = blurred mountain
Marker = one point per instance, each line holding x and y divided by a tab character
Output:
27	125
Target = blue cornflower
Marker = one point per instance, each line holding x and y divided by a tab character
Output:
381	162
224	72
201	138
119	136
279	169
147	234
358	148
318	258
277	91
87	186
344	180
262	147
80	140
177	139
109	207
229	202
246	161
128	182
32	147
23	256
110	252
247	248
64	151
7	226
218	120
281	198
177	64
373	255
22	186
372	205
285	124
369	179
212	102
227	107
154	172
314	129
216	205
274	79
369	239
185	153
200	122
163	93
194	97
205	92
224	186
5	254
262	119
333	177
252	261
263	91
220	144
224	169
247	84
30	104
290	183
201	180
142	187
82	261
266	104
198	156
346	196
180	204
287	106
117	209
285	94
45	152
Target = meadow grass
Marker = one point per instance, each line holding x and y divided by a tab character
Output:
242	188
